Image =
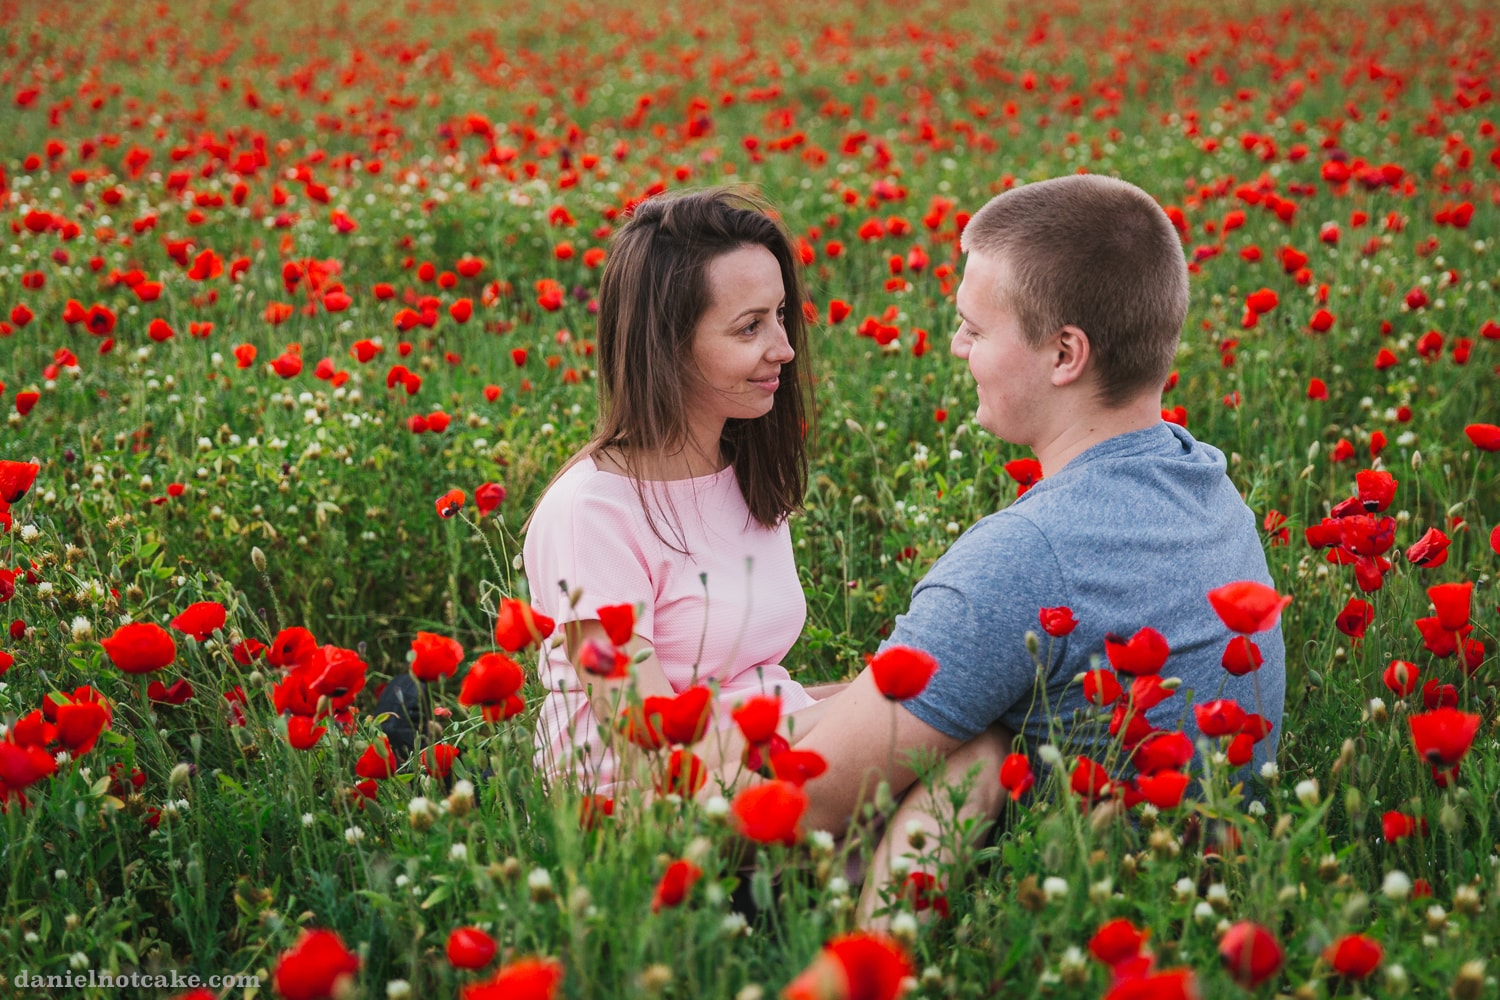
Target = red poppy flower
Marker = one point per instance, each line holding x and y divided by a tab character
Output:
675	883
470	948
178	693
79	724
16	478
1440	642
592	809
451	503
1443	737
435	656
1117	941
378	761
302	733
602	660
618	621
21	766
518	625
437	760
1149	691
313	967
140	647
200	620
336	672
1401	677
1454	604
1089	780
1241	656
758	717
1163	752
901	672
770	813
492	680
1026	472
1354	956
1143	653
797	766
1486	437
1016	776
686	774
1221	717
1058	622
1376	489
1396	825
487	497
1163	789
860	966
1101	687
1174	984
1355	618
292	647
925	892
1250	953
522	979
1246	606
685	718
1431	550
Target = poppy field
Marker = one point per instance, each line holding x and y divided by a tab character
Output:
296	322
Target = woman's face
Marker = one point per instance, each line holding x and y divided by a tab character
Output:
740	343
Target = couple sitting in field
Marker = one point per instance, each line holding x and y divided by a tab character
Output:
1073	296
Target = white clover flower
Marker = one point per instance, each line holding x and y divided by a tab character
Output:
1269	771
81	629
539	880
308	819
398	989
459	852
29	533
717	807
1052	887
1307	792
1397	885
353	835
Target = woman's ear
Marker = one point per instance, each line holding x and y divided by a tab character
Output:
1072	351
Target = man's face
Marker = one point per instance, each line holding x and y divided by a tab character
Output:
1011	377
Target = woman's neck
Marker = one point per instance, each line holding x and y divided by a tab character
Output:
666	466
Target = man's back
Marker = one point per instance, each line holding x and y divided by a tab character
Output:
1133	532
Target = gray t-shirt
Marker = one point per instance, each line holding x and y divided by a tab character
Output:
1132	532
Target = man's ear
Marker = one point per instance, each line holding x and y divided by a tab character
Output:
1071	357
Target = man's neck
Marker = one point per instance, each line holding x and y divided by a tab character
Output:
1091	425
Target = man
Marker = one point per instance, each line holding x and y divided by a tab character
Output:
1073	297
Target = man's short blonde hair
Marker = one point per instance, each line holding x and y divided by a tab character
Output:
1099	254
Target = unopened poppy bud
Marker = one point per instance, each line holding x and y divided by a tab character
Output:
1073	967
655	979
179	776
1469	983
1449	819
1466	900
1416	459
257	559
539	882
1357	908
580	902
419	813
1033	642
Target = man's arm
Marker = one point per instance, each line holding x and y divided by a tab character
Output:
865	739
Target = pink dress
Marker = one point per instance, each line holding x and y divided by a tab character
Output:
725	615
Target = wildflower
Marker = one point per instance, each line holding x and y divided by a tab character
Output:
434	656
451	503
770	813
1250	953
901	672
313	968
140	648
492	683
1142	654
1247	606
866	965
518	625
1058	622
675	884
522	979
470	948
1354	956
1443	737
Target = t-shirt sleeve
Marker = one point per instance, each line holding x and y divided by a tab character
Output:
971	612
592	545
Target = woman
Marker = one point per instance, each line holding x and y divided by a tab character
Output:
678	504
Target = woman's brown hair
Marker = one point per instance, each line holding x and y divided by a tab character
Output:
653	292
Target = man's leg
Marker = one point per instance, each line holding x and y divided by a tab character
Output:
917	817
